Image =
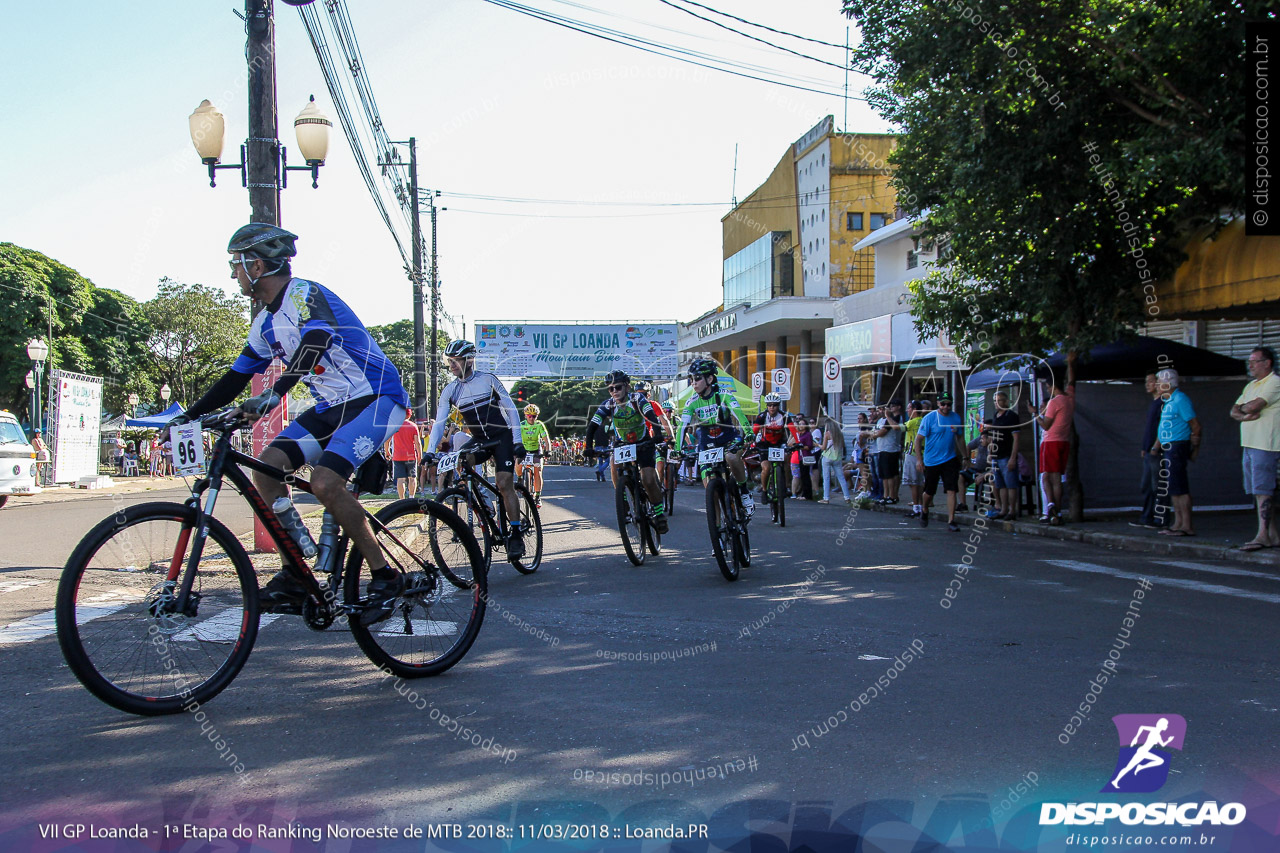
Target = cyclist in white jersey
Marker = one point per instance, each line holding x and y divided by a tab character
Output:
360	401
489	416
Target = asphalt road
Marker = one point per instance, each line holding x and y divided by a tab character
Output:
831	675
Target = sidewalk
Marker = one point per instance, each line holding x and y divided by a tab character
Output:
1218	534
119	486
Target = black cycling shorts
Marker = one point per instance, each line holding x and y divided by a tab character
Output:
503	453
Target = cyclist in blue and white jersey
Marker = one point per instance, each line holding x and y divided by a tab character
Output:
715	419
360	401
489	415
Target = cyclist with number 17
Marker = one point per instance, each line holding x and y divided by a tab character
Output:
714	418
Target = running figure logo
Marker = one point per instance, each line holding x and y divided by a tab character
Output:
1145	741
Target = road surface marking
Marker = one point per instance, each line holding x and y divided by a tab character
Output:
15	585
1217	570
1198	586
43	624
421	628
223	628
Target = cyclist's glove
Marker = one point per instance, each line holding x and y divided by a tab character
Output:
262	404
178	420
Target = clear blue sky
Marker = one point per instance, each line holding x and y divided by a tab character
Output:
98	171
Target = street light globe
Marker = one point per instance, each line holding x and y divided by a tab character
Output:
133	399
312	128
165	392
208	128
37	350
31	380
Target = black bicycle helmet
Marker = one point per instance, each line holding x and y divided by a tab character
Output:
460	349
703	367
640	386
617	377
264	241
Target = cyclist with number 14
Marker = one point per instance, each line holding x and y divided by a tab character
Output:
637	420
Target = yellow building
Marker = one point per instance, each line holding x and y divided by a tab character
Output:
788	256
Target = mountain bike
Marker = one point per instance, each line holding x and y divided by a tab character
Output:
671	480
726	519
478	503
775	489
157	607
632	505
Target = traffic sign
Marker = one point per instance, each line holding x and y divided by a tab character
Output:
832	381
782	382
757	387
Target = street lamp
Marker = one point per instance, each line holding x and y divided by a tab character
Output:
208	130
165	394
133	405
37	351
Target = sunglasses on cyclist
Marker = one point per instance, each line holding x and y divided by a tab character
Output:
613	388
235	263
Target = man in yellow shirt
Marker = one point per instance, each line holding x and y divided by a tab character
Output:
1258	411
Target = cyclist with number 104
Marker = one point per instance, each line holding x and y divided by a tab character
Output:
634	419
490	417
360	403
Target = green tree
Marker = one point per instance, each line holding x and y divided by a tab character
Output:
396	341
566	404
95	331
1066	150
196	333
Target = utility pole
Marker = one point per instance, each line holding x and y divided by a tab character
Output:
435	308
419	359
262	164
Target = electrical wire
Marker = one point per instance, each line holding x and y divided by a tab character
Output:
670	51
763	27
749	36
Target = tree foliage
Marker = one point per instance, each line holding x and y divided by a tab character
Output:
95	331
1066	150
566	404
396	342
196	333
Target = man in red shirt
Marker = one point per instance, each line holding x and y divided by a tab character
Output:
406	451
1055	420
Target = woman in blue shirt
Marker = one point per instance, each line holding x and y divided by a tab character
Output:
1179	439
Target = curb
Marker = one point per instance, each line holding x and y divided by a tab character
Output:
1116	541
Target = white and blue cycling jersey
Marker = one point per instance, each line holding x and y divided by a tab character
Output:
352	365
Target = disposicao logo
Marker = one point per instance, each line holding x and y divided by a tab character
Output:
1141	768
1145	741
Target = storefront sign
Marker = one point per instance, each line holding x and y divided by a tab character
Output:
723	323
865	342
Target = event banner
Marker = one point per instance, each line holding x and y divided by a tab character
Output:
583	351
76	402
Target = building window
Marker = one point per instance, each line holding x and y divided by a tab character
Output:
878	221
853	221
913	259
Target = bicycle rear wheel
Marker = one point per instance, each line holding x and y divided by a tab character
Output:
444	538
718	524
779	498
531	525
434	622
628	512
112	627
670	475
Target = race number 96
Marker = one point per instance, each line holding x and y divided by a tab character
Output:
188	448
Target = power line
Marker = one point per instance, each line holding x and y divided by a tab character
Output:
763	27
664	50
749	36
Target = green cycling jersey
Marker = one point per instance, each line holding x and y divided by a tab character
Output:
532	435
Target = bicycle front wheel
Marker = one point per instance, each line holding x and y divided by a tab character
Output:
434	622
629	522
118	636
779	498
718	524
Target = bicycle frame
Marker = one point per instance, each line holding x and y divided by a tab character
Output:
476	485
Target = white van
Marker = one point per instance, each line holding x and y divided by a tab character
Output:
17	460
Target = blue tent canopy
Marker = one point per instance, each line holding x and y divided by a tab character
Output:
1130	359
157	420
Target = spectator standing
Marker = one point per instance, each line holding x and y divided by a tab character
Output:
1179	436
889	432
1004	428
1258	411
939	449
801	484
833	461
154	457
861	464
1155	496
42	458
1055	446
912	477
405	445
